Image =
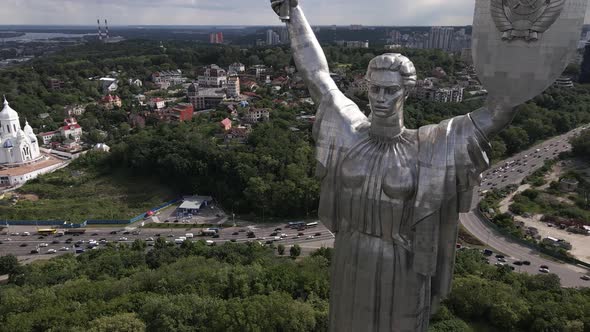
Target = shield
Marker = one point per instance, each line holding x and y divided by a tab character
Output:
516	70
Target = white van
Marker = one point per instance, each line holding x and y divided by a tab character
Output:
189	235
210	242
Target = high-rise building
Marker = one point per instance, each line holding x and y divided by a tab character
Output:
585	70
233	86
440	37
216	38
284	35
272	38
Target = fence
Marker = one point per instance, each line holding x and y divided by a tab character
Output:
566	259
60	223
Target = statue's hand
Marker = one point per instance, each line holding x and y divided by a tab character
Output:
276	5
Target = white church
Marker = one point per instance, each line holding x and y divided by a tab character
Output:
17	146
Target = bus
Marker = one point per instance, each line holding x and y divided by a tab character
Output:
296	224
311	224
46	231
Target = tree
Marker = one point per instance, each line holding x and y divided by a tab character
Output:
295	251
8	264
125	322
138	245
281	249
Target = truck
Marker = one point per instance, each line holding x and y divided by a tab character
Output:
208	232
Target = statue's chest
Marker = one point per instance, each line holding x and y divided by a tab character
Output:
384	171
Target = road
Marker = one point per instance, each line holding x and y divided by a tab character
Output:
21	246
513	171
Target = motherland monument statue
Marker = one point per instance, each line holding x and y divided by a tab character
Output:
393	195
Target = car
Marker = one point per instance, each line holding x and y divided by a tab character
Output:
126	233
544	270
269	242
216	236
94	234
43	244
35	251
104	241
123	239
251	236
309	237
585	277
113	232
318	234
40	237
500	256
300	234
503	260
55	241
544	267
51	251
158	235
64	249
150	244
487	252
1	242
170	235
25	234
23	244
278	229
77	245
235	233
242	230
149	239
277	238
500	264
274	234
519	263
69	241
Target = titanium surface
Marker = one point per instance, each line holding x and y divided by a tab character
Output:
393	195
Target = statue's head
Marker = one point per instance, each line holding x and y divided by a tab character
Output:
390	76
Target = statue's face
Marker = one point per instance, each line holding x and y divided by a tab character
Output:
386	93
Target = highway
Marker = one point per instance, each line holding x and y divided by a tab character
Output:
513	171
14	242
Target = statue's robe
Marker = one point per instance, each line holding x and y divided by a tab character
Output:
451	157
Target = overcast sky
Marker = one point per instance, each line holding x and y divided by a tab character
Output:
235	12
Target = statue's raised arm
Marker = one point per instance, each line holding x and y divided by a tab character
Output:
307	52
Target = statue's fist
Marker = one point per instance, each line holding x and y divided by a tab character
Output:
276	5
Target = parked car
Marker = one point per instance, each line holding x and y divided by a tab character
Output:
51	251
235	233
35	251
55	241
519	263
503	260
113	232
544	270
526	263
23	244
318	234
64	249
585	277
43	244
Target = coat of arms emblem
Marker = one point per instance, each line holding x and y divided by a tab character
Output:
525	18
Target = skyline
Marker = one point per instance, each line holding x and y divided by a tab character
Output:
237	12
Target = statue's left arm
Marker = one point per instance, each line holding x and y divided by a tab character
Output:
493	117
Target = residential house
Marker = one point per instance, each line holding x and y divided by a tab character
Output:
225	124
75	110
157	103
108	85
212	76
109	102
254	115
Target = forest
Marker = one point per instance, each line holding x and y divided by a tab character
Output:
247	287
